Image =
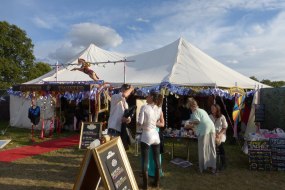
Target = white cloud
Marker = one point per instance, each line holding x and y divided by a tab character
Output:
80	37
48	22
233	61
65	52
133	28
142	20
84	34
41	23
258	29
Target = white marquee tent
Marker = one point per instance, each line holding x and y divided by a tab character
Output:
177	63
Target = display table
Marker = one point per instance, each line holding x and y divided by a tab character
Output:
177	139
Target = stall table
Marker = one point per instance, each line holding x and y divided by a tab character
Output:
176	139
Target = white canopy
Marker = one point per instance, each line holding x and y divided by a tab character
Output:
93	54
177	63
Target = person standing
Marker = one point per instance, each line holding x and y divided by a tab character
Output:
205	131
221	126
118	107
148	120
160	124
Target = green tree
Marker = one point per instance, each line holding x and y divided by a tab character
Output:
39	69
266	81
277	84
254	78
16	55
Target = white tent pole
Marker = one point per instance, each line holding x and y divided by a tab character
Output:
56	70
125	73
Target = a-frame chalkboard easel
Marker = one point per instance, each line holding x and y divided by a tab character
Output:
108	162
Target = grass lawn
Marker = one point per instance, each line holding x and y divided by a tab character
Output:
58	169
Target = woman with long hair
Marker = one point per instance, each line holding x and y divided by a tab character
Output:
149	119
151	166
221	126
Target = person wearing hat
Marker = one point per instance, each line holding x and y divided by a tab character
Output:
85	69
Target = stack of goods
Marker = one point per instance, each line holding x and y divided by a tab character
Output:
278	153
168	132
259	155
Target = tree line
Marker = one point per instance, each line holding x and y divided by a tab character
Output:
275	84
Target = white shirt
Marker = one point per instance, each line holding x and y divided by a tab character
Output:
220	123
149	115
118	106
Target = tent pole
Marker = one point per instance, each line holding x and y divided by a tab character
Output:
166	114
59	126
97	106
124	72
90	114
56	70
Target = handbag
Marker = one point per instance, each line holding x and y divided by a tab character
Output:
218	140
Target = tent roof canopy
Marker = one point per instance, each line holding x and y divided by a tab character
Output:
178	63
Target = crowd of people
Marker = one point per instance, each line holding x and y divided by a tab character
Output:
210	131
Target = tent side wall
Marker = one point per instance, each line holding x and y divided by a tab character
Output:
19	107
274	101
19	112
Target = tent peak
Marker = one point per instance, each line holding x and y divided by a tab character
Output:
181	39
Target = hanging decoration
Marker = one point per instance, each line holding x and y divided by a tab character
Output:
237	111
164	88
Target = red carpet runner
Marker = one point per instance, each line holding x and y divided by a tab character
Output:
41	148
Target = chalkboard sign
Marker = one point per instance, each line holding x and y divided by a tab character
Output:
89	132
88	177
259	112
259	155
278	153
114	166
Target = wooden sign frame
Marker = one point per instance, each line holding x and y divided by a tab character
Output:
88	177
114	167
99	102
86	124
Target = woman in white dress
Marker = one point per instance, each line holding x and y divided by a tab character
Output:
149	119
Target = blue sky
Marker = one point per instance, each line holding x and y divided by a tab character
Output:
246	35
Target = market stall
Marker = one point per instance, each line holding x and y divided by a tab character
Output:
49	98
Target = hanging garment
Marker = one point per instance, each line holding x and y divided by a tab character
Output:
34	114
